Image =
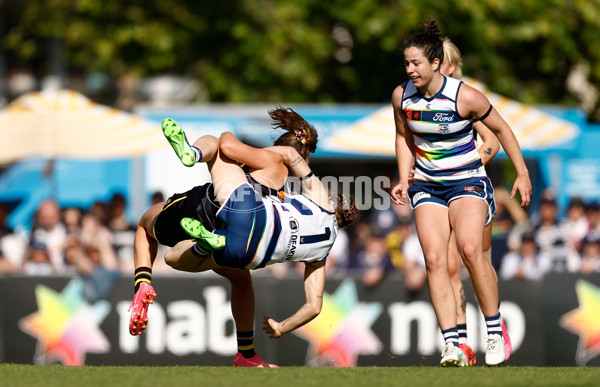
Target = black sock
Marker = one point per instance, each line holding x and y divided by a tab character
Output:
199	251
462	333
142	274
245	342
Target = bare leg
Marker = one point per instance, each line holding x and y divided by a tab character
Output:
487	245
457	284
467	216
145	246
242	297
180	257
434	235
208	145
226	175
144	254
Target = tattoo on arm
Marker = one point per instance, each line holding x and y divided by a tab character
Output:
487	152
296	161
319	296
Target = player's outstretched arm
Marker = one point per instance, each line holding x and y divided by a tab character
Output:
314	285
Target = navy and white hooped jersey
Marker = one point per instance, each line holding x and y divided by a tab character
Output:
445	147
297	230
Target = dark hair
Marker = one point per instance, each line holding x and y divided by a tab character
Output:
346	210
300	135
430	42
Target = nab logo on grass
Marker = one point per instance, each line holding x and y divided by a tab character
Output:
66	326
585	321
342	331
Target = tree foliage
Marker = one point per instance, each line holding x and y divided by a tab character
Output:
311	50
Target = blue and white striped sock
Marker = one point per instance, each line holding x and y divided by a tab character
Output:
451	336
197	153
493	325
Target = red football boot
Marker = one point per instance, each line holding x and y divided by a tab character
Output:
139	315
254	361
470	359
507	343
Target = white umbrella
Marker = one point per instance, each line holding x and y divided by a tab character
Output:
64	123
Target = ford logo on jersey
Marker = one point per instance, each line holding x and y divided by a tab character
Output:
443	117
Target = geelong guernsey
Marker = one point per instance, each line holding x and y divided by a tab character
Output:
297	230
445	147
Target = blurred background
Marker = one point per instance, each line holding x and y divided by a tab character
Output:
84	85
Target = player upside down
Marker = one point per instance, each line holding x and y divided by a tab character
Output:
267	171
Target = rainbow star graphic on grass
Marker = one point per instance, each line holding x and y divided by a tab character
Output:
585	321
66	326
342	331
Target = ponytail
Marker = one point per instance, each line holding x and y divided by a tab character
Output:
299	134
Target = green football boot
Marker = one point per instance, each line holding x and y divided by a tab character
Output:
205	239
176	136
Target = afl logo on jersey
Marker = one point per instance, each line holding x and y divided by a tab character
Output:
294	225
443	128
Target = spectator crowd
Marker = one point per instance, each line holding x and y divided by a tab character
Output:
97	243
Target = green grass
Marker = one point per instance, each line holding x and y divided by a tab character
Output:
50	376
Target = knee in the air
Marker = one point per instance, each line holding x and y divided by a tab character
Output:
171	259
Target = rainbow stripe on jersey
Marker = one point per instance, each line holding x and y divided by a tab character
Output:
445	147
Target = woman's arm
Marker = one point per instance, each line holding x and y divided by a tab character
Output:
265	166
254	157
292	159
404	148
314	285
490	146
472	103
311	185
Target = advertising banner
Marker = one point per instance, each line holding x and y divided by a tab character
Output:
553	322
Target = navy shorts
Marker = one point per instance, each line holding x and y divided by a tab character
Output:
244	215
443	193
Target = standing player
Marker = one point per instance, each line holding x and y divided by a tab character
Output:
160	224
452	67
434	116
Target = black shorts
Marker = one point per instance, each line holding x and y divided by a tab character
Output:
198	203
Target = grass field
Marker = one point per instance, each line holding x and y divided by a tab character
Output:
59	376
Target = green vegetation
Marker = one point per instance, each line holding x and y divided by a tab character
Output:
310	50
59	376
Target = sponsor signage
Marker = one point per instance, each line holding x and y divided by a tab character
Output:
49	321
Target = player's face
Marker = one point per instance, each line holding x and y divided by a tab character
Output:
418	67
